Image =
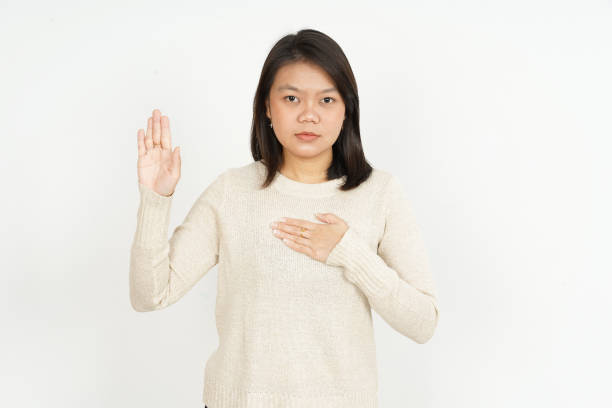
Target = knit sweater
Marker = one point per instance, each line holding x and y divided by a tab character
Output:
293	331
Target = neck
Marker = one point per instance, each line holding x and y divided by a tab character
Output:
306	170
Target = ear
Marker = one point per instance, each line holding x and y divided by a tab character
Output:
268	109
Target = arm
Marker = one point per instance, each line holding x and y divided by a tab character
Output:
162	270
396	280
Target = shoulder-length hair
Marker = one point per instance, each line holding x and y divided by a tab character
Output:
312	46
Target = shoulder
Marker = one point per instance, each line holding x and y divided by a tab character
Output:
222	184
381	176
246	176
390	188
383	180
396	197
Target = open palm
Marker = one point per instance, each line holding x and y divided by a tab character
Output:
159	167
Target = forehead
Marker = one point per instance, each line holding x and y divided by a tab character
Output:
303	76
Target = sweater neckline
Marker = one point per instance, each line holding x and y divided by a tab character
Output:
287	185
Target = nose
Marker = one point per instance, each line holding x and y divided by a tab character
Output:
308	114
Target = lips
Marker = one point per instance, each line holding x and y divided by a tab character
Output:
306	136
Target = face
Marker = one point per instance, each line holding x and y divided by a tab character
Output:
303	98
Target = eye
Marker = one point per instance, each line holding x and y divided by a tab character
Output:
328	97
289	96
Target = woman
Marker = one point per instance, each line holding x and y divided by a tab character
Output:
308	238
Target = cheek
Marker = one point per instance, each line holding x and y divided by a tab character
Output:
337	120
283	115
339	113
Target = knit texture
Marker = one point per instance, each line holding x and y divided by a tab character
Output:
293	331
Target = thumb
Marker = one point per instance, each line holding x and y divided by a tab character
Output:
176	158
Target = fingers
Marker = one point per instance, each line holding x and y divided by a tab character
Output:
166	140
156	127
158	133
142	150
298	222
296	231
148	137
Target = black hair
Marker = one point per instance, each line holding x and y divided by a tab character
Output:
315	47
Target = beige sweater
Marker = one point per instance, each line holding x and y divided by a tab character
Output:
293	331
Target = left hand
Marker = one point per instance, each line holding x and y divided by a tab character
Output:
316	240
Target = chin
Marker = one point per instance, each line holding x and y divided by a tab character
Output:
304	149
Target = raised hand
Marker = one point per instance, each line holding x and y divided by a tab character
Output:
159	167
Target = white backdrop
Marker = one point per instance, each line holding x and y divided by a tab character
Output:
495	116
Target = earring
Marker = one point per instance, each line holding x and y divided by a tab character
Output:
270	124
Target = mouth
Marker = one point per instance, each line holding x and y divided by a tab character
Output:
306	136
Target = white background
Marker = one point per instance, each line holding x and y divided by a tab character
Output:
496	116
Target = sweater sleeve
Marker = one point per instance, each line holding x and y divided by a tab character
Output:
162	270
396	279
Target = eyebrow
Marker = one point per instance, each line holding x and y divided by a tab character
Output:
293	88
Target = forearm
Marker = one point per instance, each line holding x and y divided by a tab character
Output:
162	270
410	310
149	256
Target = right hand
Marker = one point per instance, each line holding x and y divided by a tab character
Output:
159	167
